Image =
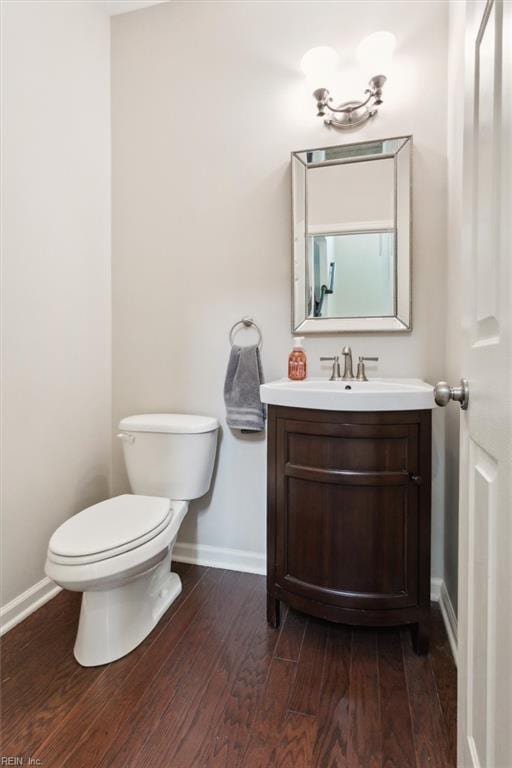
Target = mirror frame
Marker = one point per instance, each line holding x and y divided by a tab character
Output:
402	320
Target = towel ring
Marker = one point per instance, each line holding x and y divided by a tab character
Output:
247	322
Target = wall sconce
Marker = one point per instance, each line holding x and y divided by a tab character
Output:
374	54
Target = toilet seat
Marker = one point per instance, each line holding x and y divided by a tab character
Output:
110	528
77	575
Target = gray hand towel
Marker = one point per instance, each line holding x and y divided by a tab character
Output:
244	375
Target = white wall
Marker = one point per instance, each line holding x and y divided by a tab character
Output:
208	102
56	363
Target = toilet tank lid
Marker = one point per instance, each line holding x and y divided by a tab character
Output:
171	423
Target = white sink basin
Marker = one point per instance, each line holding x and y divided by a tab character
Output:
373	395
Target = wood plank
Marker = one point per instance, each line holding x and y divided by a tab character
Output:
225	746
364	747
296	743
445	673
119	707
307	686
397	743
331	743
194	713
270	716
166	701
429	736
292	636
70	688
48	667
208	689
19	644
82	701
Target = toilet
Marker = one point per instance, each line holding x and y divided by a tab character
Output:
118	552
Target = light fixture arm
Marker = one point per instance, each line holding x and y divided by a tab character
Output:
358	104
352	113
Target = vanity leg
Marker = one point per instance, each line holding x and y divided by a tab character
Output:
420	636
273	611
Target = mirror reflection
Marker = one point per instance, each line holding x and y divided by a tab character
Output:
352	275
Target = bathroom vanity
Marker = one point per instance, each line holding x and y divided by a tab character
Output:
349	460
348	520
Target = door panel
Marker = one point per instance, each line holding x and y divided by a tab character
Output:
485	531
352	452
350	540
481	604
486	163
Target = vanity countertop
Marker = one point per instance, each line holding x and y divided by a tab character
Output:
350	395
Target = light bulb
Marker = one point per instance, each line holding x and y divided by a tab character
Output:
375	53
319	66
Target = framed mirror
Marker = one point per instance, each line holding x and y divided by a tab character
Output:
352	237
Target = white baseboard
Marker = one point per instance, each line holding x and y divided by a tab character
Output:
26	603
435	588
220	557
449	618
439	594
214	557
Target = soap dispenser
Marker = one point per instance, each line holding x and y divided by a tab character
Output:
297	361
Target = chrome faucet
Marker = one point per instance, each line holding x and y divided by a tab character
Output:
348	371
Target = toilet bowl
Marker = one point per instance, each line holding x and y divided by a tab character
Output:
118	552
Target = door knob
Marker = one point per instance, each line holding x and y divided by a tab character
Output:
443	393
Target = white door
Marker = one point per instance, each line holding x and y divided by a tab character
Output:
485	515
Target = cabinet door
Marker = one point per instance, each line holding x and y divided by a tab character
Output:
347	513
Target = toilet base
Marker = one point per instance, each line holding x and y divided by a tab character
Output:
115	621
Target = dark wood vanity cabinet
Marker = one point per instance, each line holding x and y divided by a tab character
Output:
348	519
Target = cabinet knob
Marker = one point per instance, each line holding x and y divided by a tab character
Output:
416	479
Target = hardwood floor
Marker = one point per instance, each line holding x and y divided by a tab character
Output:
214	685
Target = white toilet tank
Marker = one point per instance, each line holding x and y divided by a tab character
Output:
169	454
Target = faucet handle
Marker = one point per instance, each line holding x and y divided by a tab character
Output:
336	373
361	371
